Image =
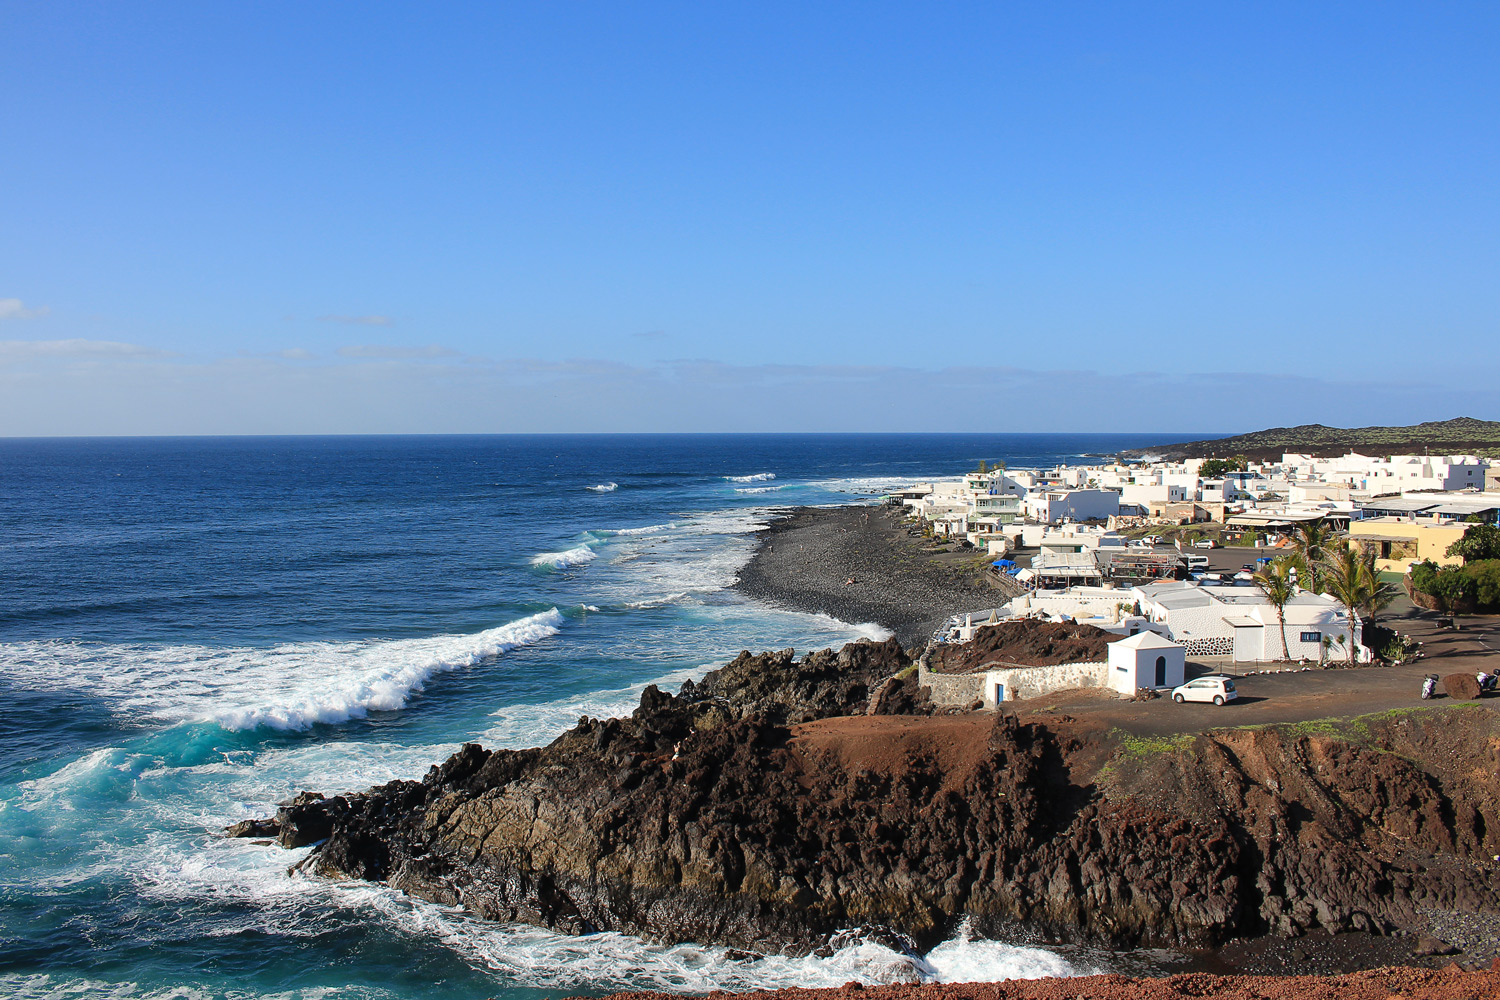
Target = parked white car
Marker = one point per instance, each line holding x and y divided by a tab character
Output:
1205	543
1216	688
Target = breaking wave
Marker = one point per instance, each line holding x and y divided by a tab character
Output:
566	559
604	487
759	489
290	686
758	477
649	529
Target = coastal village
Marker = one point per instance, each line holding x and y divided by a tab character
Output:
1165	705
1229	565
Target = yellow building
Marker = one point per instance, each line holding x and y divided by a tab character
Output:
1398	543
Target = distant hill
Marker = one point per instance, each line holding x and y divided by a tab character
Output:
1461	435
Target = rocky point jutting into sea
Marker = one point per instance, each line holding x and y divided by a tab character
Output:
781	802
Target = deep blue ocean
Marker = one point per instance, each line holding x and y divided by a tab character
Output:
192	629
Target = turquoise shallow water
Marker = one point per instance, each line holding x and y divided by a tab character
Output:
193	629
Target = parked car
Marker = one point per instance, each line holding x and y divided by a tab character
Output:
1205	543
1195	561
1248	567
1215	688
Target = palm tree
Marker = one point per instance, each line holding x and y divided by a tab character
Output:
1344	575
1275	581
1311	544
1379	594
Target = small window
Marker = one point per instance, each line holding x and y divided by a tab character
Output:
1312	636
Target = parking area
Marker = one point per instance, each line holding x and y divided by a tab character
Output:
1292	694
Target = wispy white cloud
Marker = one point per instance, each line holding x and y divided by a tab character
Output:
297	354
393	353
359	320
16	309
26	349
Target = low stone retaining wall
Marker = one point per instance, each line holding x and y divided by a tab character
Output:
1019	681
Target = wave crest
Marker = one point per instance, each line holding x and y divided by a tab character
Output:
565	559
759	477
290	686
604	487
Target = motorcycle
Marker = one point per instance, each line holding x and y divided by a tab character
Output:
1429	686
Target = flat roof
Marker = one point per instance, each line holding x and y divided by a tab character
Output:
1282	517
1408	504
1475	506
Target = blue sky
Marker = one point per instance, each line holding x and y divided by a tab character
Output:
311	218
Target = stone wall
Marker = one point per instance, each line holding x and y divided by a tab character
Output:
951	689
1218	645
958	690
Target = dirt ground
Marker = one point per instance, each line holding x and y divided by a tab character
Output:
1029	643
1378	984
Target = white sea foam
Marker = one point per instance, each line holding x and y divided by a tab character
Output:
566	559
288	686
520	726
650	529
49	987
870	485
966	959
758	477
690	558
604	487
230	888
862	630
760	489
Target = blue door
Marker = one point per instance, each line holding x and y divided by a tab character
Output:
999	693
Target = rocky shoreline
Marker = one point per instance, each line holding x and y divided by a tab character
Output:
781	802
807	559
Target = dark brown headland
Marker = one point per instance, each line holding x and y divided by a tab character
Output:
1459	436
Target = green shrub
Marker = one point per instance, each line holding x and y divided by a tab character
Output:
1476	583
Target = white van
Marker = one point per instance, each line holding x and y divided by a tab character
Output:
1194	561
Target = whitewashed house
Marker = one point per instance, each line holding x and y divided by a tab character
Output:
1054	506
1146	660
1239	622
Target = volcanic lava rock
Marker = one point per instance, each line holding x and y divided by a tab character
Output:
788	691
1462	686
764	810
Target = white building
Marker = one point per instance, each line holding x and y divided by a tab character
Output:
1389	475
1146	660
1147	494
1054	506
1239	622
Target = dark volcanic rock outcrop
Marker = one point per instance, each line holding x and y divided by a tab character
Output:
1024	642
788	691
716	817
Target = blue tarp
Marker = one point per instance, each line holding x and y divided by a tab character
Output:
1002	562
